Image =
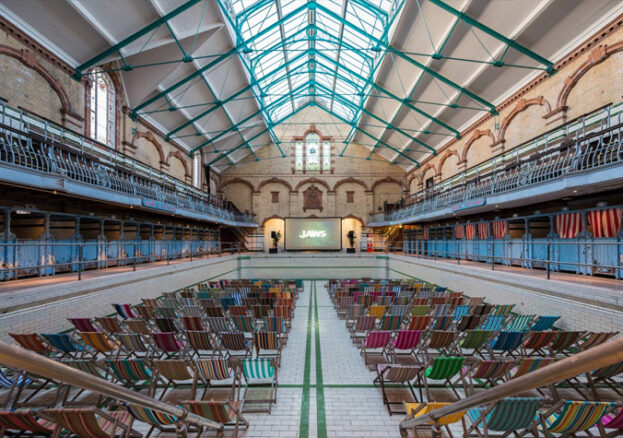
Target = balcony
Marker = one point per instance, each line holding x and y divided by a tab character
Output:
40	154
581	157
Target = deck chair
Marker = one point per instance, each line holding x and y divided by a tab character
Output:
377	311
503	309
442	322
529	364
165	324
219	324
138	326
146	312
125	311
191	310
506	342
593	339
99	342
192	323
88	366
91	422
175	371
394	374
482	309
236	345
519	323
343	304
572	417
438	340
420	310
24	420
493	323
214	311
440	368
267	345
166	312
564	341
156	419
261	311
460	312
486	372
278	325
202	343
405	344
132	373
419	322
32	342
83	324
133	344
109	324
376	344
362	326
544	322
238	310
606	376
507	416
228	413
63	344
399	309
245	324
468	322
390	322
15	384
216	369
415	410
612	420
537	342
259	372
353	312
167	344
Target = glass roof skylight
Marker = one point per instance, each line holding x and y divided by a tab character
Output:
323	52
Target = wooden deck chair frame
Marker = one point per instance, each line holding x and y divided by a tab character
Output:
487	433
27	421
382	370
92	425
235	406
268	352
17	384
175	376
435	427
248	383
422	378
179	429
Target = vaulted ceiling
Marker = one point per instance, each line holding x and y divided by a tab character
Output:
223	76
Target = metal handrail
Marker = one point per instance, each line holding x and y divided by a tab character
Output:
17	357
597	357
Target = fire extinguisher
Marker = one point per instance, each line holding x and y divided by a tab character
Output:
370	243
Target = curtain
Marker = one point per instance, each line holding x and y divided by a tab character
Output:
568	225
483	230
458	231
470	231
605	223
425	234
499	229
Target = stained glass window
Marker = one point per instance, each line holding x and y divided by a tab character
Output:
102	108
298	155
326	155
312	151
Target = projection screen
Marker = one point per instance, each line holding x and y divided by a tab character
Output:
313	234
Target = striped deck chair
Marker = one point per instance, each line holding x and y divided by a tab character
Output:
191	311
202	343
503	309
441	310
63	344
564	341
267	345
227	301
482	309
92	422
156	419
166	312
612	420
259	372
343	304
24	420
236	345
225	412
507	342
475	340
390	322
238	310
165	324
88	366
419	322
415	410
593	339
138	326
487	372
109	324
441	368
377	311
394	374
214	311
132	373
83	324
244	323
175	371
378	342
493	323
125	311
508	415
277	325
151	302
15	384
193	323
284	312
537	341
32	342
361	327
145	312
460	312
571	417
439	340
442	322
216	369
405	344
519	323
99	342
167	344
468	322
529	364
475	301
133	344
544	322
219	324
353	312
420	310
399	309
606	376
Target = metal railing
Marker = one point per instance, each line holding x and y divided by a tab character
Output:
18	358
594	144
597	357
33	143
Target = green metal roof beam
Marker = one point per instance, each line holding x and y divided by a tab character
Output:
136	35
508	41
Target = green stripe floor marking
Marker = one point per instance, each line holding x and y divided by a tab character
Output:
320	407
304	422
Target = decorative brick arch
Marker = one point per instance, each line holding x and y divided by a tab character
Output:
350	180
352	216
422	173
150	137
443	159
179	156
274	216
237	180
475	136
31	61
596	56
312	181
388	179
522	105
274	180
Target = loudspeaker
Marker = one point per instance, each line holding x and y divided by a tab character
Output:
272	234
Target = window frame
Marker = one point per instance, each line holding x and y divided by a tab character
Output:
91	107
303	140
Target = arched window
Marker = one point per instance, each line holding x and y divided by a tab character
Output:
312	153
101	107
